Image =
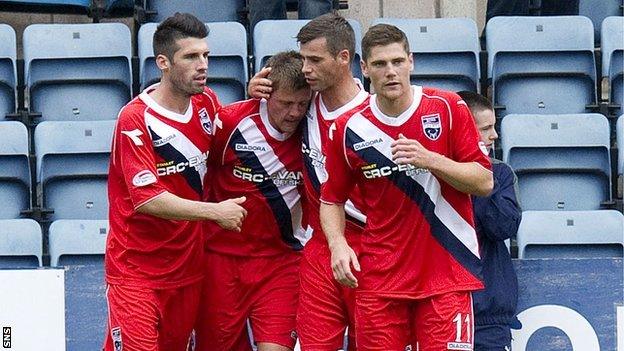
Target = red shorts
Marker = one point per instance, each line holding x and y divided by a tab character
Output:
326	307
441	322
141	319
262	289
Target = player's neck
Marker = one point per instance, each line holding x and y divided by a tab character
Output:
395	107
340	93
170	98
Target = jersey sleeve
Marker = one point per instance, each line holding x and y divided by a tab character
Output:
467	146
134	154
340	178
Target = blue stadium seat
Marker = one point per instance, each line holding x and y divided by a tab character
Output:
597	11
205	10
79	246
613	57
541	65
227	66
82	4
14	169
619	132
445	51
78	71
72	167
273	36
562	161
21	243
8	70
571	234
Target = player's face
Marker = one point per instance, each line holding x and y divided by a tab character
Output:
389	67
319	65
286	108
485	120
189	67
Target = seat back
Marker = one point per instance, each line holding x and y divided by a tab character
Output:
72	167
273	36
613	57
227	66
619	131
78	71
15	181
597	11
21	243
571	234
541	65
8	70
445	51
562	161
79	246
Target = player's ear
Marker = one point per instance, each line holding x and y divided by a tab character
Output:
163	62
364	68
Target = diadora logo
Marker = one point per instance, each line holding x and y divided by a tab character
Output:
205	120
143	178
134	135
248	147
462	346
432	126
164	140
372	171
318	159
281	178
366	143
198	162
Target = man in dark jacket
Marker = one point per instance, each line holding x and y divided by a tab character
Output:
497	218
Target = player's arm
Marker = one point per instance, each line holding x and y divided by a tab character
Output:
342	255
228	214
467	177
498	215
260	86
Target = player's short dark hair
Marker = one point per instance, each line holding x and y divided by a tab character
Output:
178	26
334	28
380	35
286	71
475	102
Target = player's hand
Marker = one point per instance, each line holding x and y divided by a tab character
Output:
410	151
231	214
259	85
342	257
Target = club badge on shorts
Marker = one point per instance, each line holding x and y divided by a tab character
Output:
205	120
432	127
116	336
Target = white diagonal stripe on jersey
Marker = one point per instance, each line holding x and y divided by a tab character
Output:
181	143
456	224
272	164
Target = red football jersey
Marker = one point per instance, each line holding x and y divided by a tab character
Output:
156	150
251	158
315	140
419	238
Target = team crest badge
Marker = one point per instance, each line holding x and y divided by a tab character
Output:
116	336
205	121
432	126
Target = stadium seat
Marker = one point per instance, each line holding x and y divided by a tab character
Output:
21	243
613	57
205	10
79	246
445	51
571	234
72	167
562	161
227	66
541	65
619	132
273	36
597	11
8	70
14	170
78	71
61	4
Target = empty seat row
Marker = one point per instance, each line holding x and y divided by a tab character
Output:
71	168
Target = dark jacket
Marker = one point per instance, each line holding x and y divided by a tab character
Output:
497	218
